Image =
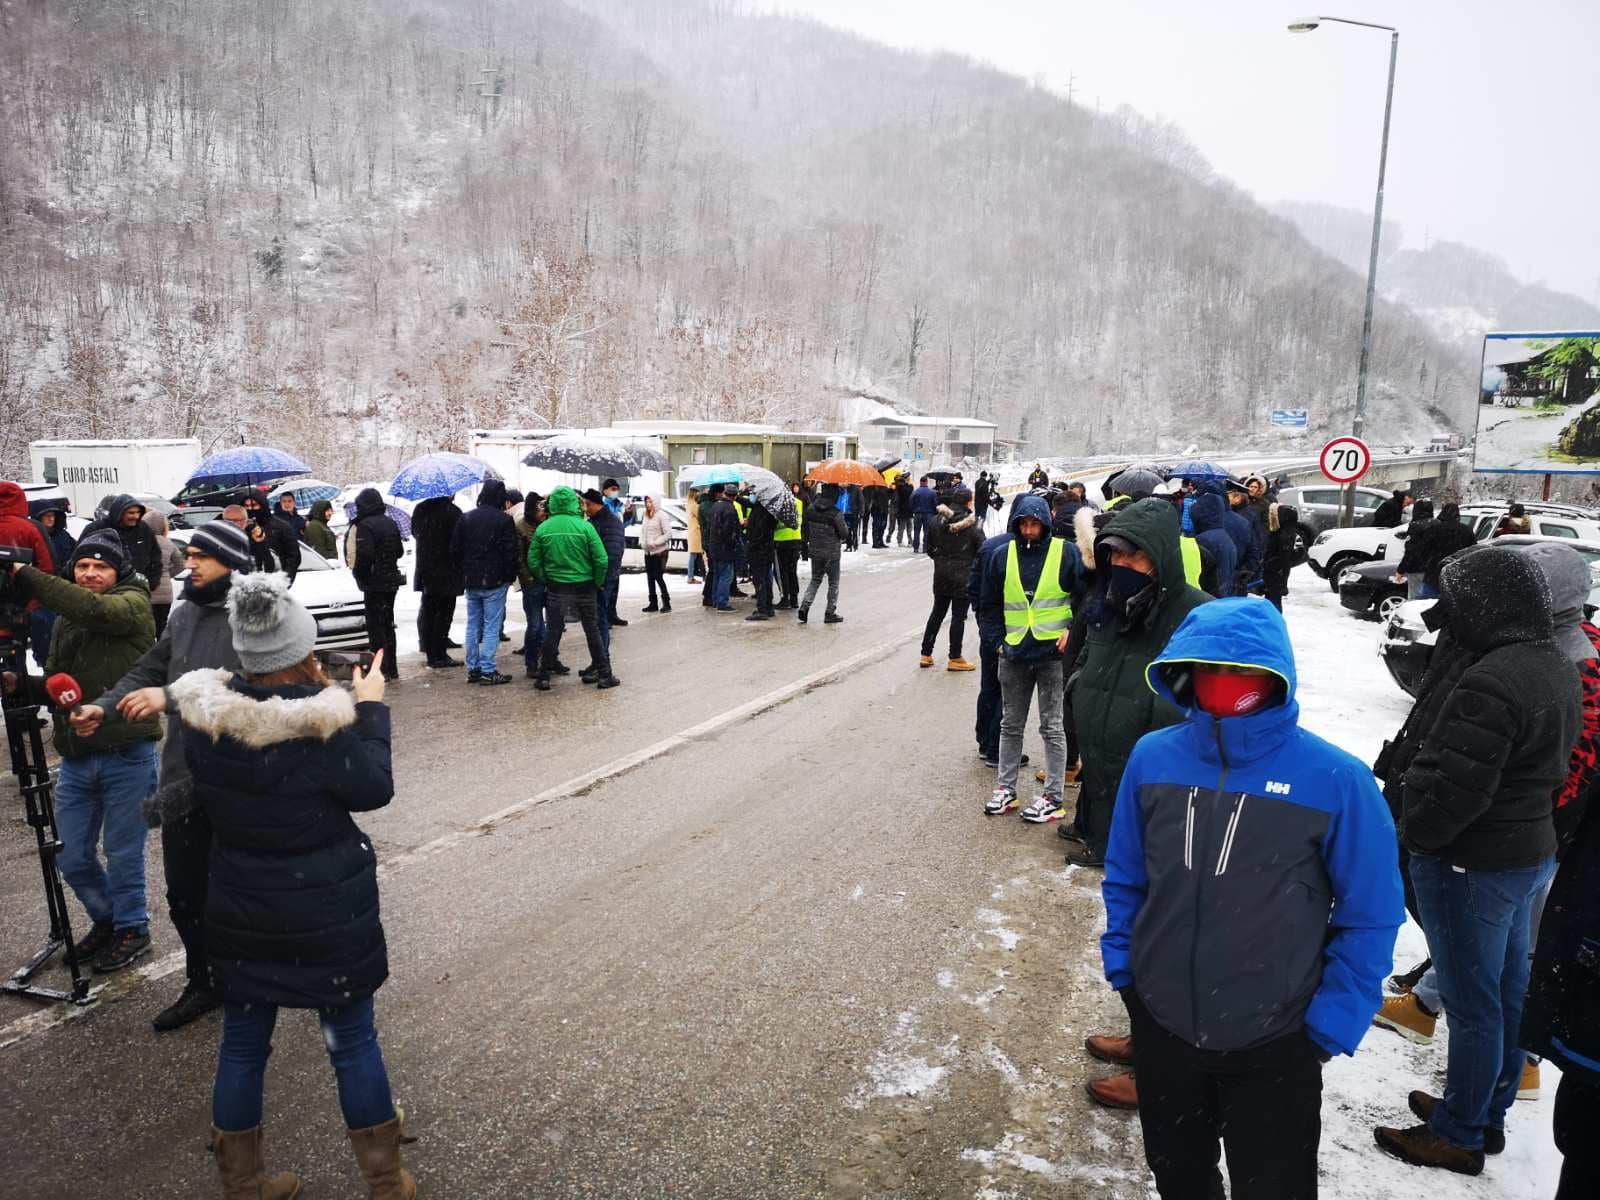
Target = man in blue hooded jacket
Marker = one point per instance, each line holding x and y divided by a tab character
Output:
1252	898
1209	516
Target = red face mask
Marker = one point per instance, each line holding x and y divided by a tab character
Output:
1225	694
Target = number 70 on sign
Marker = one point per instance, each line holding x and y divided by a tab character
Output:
1345	459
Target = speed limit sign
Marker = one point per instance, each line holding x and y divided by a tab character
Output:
1345	459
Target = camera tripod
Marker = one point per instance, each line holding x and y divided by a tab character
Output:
23	736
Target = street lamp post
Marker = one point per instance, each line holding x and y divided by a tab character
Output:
1306	25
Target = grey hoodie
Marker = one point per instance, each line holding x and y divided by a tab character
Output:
1567	575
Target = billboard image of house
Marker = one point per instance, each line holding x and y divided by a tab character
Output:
1539	404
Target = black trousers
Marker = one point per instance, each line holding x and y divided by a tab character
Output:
711	571
1264	1104
1577	1116
761	577
583	600
956	606
789	571
433	624
880	522
186	861
990	703
655	574
160	613
380	629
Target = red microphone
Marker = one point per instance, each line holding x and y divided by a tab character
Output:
64	690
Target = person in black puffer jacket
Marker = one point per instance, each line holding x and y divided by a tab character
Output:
280	758
824	532
376	549
1283	524
614	538
1493	730
1427	549
954	537
125	515
273	541
484	548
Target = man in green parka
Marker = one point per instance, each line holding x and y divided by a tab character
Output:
103	627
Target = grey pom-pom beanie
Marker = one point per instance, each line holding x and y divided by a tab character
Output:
272	631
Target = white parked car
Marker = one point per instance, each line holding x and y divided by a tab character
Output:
328	592
1335	551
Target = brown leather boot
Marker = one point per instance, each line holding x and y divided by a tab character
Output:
244	1176
378	1151
1114	1091
1115	1050
1422	1147
1424	1104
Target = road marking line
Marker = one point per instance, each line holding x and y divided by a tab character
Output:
45	1019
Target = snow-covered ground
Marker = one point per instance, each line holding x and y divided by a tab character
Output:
1525	439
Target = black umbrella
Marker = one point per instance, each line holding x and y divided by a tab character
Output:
573	455
646	456
887	461
942	472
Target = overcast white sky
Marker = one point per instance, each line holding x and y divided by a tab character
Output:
1493	138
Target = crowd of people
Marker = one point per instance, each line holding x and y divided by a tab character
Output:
1255	876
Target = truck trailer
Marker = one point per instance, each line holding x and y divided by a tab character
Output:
86	471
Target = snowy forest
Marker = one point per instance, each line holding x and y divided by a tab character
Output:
358	228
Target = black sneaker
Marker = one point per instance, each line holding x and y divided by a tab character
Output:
494	679
1067	832
607	681
589	674
833	619
452	644
474	676
759	616
651	607
618	623
542	681
560	668
96	940
125	946
1083	855
800	614
195	1003
441	664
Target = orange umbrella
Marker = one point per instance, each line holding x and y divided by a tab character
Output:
846	471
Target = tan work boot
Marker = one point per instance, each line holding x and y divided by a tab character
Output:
244	1176
378	1151
1528	1089
1114	1091
1406	1016
925	661
1107	1048
960	664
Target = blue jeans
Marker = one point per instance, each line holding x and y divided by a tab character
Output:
486	613
696	565
352	1041
533	613
1477	927
104	794
721	582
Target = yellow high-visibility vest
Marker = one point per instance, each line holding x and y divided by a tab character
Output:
783	532
1049	613
1192	566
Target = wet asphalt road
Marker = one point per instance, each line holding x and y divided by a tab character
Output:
669	981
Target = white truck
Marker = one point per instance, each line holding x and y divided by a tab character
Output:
87	470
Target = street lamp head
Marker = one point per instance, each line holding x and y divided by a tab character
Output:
1304	24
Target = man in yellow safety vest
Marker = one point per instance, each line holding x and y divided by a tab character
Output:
1023	584
786	543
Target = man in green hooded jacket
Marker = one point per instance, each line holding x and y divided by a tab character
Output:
568	557
103	627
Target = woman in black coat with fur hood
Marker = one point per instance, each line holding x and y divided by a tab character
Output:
280	759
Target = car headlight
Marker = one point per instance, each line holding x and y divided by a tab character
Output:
1322	537
1348	577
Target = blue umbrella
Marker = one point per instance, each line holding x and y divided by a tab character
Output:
398	515
1196	468
249	464
722	473
443	473
306	491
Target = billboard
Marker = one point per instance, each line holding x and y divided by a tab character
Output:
1539	404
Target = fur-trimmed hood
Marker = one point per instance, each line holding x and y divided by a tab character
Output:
209	705
1083	532
956	524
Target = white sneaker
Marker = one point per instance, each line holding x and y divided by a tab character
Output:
1044	809
1002	801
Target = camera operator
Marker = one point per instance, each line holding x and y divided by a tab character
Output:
196	637
103	625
